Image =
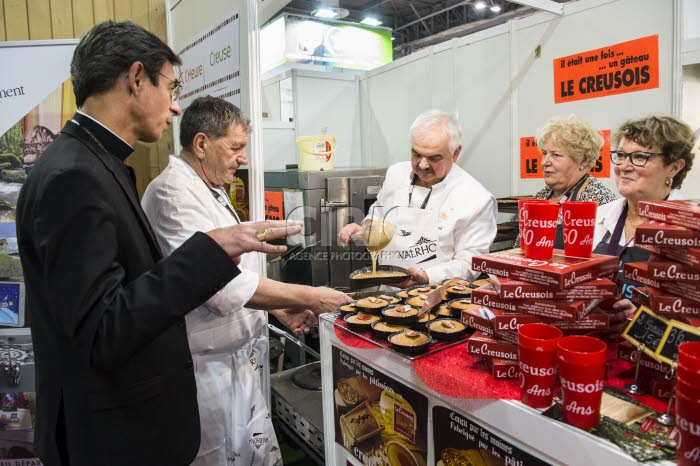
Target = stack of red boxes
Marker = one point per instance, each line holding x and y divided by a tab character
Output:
671	278
562	291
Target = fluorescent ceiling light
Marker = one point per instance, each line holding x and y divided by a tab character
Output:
480	5
325	13
495	8
370	21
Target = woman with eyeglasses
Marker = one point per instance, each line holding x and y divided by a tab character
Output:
570	148
652	158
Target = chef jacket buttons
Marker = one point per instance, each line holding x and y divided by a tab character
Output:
189	365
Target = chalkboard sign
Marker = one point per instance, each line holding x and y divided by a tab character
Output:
646	329
676	334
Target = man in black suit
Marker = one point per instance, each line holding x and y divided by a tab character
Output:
114	374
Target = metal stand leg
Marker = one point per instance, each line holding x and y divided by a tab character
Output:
634	387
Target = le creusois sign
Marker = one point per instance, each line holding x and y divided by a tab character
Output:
616	69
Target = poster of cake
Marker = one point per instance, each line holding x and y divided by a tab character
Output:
459	440
378	420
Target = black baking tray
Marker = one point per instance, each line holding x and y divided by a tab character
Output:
370	336
360	283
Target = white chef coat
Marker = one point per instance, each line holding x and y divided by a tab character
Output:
608	214
227	340
465	213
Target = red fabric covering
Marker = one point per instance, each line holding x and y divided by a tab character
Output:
621	373
456	373
351	340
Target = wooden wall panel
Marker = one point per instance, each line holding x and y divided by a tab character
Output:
139	13
39	14
65	19
82	17
16	27
104	10
2	22
62	19
156	19
122	10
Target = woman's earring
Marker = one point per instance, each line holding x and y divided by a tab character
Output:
580	168
669	181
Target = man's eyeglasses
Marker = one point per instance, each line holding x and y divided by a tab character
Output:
176	90
638	159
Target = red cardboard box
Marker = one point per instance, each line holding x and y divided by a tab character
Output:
600	288
481	344
551	309
687	256
660	269
509	323
666	235
640	296
504	368
480	318
669	305
625	351
559	272
639	272
683	213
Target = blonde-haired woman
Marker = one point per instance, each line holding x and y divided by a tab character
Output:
570	148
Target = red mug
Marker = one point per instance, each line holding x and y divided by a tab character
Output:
692	376
578	220
689	354
687	388
521	204
537	345
582	368
538	228
688	424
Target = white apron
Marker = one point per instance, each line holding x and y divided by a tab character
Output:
252	440
415	240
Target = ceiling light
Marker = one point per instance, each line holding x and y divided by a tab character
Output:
495	8
330	12
480	5
370	21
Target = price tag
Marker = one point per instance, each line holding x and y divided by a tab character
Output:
646	329
677	333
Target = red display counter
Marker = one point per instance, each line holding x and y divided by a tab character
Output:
383	408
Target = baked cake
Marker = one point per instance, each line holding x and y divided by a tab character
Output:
402	314
372	305
410	341
384	329
360	321
446	329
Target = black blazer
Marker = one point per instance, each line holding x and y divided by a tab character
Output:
114	374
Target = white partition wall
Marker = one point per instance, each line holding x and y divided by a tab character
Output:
500	83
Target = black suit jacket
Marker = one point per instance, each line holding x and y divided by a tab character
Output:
114	374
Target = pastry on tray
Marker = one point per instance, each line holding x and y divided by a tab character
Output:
446	329
422	320
347	308
410	341
360	321
400	314
371	305
383	329
458	291
391	298
420	289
